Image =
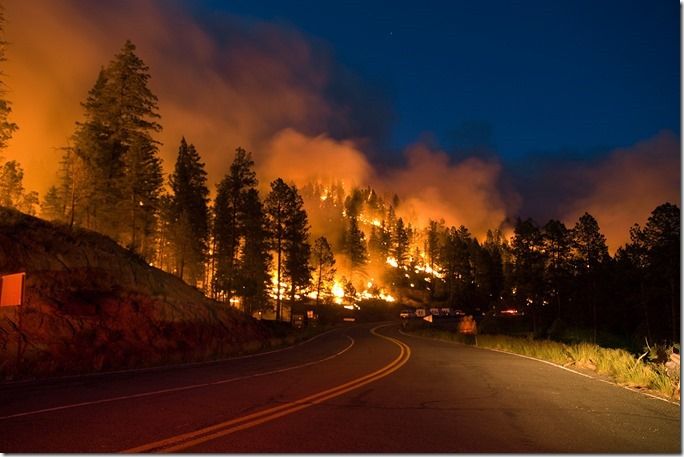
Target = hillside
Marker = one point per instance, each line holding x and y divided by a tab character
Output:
92	305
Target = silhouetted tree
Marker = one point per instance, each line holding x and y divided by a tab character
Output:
189	213
557	242
229	221
7	127
590	258
116	147
297	249
289	230
52	207
528	270
277	208
254	277
399	249
324	265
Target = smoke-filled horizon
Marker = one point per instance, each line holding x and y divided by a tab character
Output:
282	95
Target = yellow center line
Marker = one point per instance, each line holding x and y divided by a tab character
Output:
186	440
179	389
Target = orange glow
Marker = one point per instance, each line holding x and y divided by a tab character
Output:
338	292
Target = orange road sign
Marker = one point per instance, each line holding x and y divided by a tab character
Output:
12	289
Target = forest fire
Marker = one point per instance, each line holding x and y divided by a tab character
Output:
308	216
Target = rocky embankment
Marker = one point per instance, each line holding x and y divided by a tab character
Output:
91	305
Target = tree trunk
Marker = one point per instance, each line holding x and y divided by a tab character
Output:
278	278
318	284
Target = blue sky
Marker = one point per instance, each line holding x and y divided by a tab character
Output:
575	78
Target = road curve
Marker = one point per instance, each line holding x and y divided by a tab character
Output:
356	389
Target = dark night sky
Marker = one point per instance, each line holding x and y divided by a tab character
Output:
546	77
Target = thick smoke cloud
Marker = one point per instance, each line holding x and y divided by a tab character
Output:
618	187
304	159
467	192
627	185
228	81
221	85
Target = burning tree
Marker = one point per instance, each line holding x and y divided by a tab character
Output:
289	230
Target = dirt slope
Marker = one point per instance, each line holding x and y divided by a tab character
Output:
92	305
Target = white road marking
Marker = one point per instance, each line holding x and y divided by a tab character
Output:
178	389
548	363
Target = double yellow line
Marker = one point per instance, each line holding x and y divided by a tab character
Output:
187	440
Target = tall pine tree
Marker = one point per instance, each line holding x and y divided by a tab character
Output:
189	213
256	259
229	221
117	150
323	261
289	231
297	247
590	258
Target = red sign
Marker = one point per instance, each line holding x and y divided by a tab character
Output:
12	289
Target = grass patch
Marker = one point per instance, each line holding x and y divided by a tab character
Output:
619	365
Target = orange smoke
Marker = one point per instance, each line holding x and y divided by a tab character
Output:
468	192
628	185
218	95
305	159
267	88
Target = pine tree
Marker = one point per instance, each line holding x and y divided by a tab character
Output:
661	240
324	265
7	127
11	184
289	232
229	221
432	245
356	246
400	244
116	147
590	258
72	188
166	248
189	205
52	207
494	246
527	250
142	184
297	249
256	257
277	211
557	241
12	193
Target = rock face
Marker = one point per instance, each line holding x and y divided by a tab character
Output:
92	305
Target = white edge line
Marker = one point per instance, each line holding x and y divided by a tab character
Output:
548	363
161	367
177	389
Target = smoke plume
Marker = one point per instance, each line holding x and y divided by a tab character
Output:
627	185
228	81
464	193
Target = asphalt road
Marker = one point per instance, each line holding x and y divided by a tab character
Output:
354	389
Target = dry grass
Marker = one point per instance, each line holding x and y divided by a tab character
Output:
617	364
